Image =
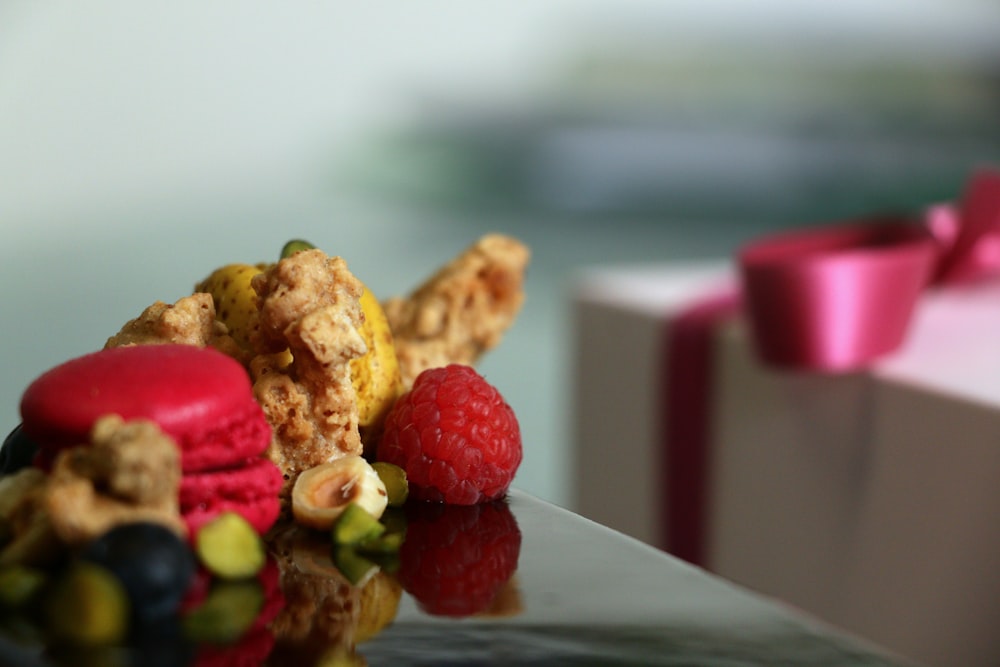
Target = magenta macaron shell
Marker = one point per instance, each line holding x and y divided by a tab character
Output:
251	490
199	396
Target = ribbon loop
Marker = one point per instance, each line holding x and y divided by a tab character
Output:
969	233
836	298
832	299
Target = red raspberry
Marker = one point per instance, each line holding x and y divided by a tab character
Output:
455	560
455	436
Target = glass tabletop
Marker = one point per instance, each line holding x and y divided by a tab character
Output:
591	596
517	582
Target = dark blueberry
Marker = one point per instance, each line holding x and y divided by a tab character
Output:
154	565
18	452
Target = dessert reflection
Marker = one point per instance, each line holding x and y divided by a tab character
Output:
312	604
454	561
240	616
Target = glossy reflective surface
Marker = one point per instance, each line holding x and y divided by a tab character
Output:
590	596
517	583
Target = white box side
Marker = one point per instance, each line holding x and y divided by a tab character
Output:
614	428
789	453
620	330
925	579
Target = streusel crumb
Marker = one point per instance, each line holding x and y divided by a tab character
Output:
461	311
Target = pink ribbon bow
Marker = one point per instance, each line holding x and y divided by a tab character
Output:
831	299
836	298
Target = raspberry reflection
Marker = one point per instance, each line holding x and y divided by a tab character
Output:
459	560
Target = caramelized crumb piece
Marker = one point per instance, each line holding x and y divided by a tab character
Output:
308	304
462	310
28	535
130	472
189	321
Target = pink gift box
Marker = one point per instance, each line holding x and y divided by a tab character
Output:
867	498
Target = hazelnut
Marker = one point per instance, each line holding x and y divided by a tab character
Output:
321	493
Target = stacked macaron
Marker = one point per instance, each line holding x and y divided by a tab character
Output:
200	397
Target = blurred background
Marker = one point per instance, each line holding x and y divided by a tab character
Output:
144	144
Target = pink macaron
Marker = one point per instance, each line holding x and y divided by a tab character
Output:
200	397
